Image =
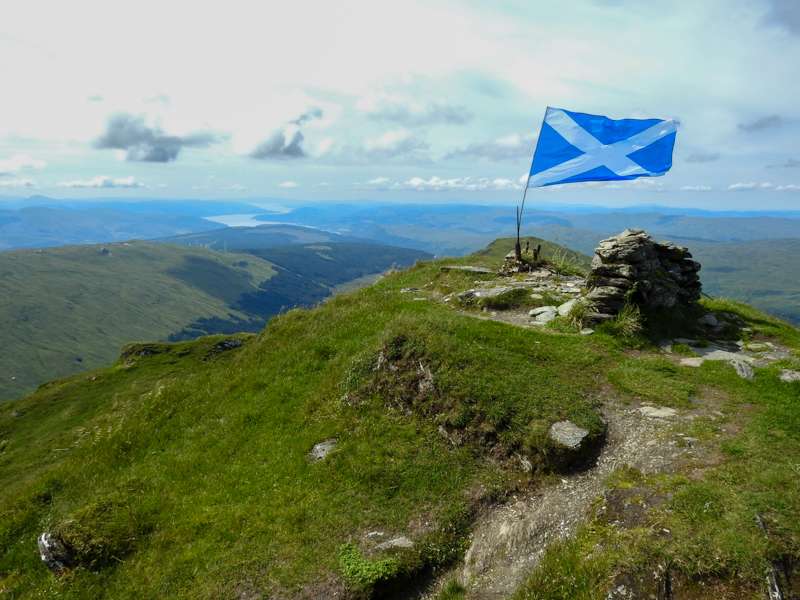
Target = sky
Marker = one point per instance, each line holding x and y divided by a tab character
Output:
431	101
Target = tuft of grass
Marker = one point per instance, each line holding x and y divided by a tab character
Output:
580	313
363	573
452	590
566	262
514	298
628	323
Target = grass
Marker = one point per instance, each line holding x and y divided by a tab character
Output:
182	471
197	461
65	310
705	532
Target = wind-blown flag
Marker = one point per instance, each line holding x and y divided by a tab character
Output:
576	147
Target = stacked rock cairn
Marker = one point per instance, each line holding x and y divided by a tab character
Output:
632	268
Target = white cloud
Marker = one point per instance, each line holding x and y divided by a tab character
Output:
790	187
378	181
749	185
696	188
18	162
287	184
237	187
17	183
466	184
102	181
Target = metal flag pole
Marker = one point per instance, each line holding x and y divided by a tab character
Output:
521	207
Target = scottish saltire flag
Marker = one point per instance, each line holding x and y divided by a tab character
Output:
575	147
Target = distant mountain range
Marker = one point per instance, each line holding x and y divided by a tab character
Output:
725	241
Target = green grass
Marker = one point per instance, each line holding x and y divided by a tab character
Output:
198	465
567	262
182	471
65	310
705	531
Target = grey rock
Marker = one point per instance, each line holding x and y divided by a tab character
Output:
694	361
322	449
398	542
789	376
657	412
54	553
632	267
546	316
567	435
743	368
492	292
564	309
587	331
708	320
542	309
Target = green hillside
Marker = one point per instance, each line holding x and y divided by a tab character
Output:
764	273
184	470
65	310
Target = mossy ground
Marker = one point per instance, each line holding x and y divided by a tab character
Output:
184	473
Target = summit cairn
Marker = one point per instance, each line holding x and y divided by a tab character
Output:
632	268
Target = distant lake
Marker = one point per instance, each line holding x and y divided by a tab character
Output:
237	220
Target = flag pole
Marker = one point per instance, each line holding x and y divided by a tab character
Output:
521	207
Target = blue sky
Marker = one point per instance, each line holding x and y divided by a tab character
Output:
430	101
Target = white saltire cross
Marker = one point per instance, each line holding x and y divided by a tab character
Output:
596	154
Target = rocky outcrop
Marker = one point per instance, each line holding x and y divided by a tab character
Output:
631	267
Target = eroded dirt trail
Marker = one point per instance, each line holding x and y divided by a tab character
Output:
509	541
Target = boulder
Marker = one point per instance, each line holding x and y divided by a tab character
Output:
631	267
571	446
544	314
564	309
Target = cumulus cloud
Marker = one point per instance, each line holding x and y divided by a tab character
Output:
19	162
791	187
102	181
280	145
288	184
784	13
148	144
286	143
509	147
17	183
417	115
703	157
762	123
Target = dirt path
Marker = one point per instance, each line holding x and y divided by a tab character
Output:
509	541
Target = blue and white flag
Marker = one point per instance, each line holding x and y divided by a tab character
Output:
576	147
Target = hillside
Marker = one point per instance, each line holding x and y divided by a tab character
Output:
393	439
68	309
